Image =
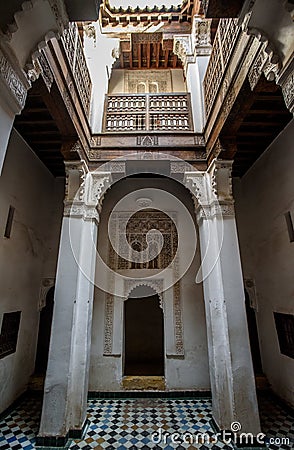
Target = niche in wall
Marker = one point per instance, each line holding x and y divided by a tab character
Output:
285	331
9	333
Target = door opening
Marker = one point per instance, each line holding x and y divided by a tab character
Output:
144	337
44	334
253	336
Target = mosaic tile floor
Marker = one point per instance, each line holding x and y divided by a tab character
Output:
136	423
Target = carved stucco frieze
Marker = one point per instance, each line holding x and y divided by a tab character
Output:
147	141
157	286
262	64
201	37
15	88
287	84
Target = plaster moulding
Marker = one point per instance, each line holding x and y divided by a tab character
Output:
46	285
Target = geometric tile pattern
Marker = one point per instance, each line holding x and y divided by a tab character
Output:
131	424
135	424
19	428
276	423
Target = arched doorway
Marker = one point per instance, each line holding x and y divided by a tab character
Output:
44	334
144	336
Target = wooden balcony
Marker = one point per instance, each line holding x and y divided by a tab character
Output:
223	47
147	112
73	47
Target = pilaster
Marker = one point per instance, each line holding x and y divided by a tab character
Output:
66	384
231	370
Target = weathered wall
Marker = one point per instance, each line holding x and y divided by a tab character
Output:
263	196
188	372
27	256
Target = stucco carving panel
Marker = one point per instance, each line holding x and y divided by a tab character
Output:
12	83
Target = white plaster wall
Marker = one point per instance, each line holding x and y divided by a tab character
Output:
195	76
189	372
98	52
29	255
263	196
178	82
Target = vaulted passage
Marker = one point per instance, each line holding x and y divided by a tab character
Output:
144	336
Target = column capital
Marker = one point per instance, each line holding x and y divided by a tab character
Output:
75	172
220	174
212	190
97	185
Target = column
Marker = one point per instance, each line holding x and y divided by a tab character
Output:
66	384
230	363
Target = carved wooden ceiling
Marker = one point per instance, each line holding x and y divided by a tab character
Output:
147	51
111	17
46	127
255	121
218	9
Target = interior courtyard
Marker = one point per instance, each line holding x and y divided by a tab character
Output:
147	224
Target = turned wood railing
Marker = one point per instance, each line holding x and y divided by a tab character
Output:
75	54
223	46
147	112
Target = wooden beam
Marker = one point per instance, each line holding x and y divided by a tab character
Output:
175	60
166	55
139	56
131	59
148	54
157	54
121	58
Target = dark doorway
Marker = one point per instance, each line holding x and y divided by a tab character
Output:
44	334
253	336
144	346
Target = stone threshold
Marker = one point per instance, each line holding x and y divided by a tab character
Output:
92	395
